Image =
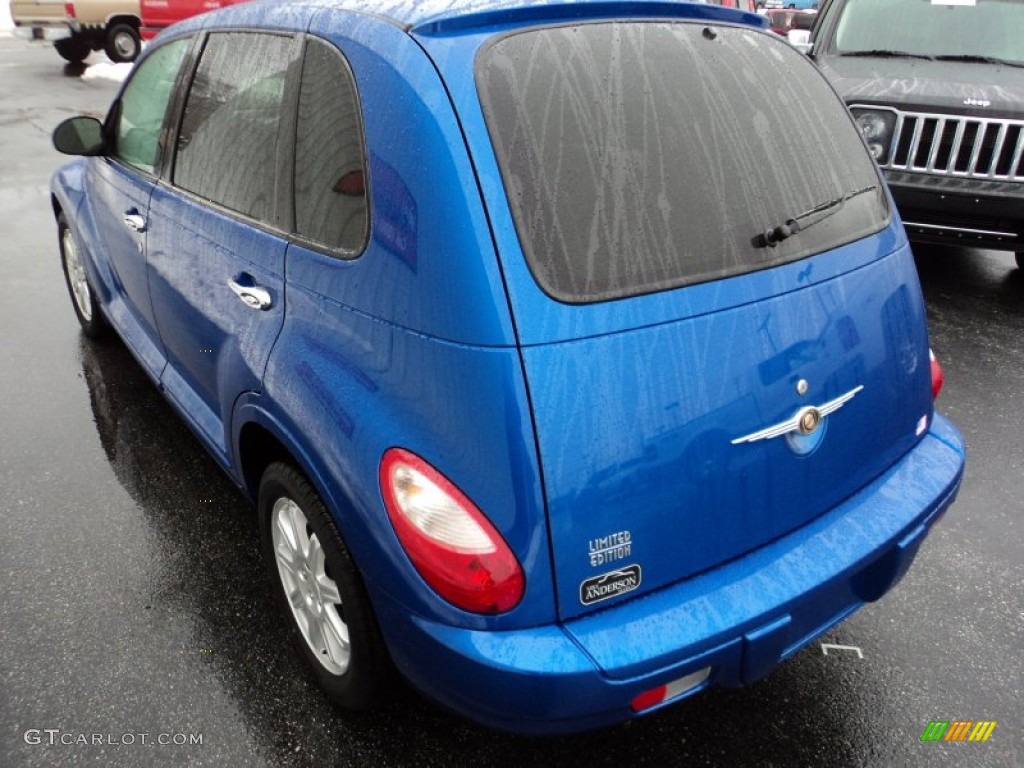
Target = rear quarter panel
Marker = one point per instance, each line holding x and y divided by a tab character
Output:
410	344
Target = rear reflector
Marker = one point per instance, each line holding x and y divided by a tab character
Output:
669	691
69	10
938	377
452	545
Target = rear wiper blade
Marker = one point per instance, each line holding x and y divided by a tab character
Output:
975	58
882	53
775	235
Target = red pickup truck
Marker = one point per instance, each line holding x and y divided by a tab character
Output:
157	14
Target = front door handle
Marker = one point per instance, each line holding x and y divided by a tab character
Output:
134	221
252	296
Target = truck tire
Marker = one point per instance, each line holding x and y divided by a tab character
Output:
73	49
123	43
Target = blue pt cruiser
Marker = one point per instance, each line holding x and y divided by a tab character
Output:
565	380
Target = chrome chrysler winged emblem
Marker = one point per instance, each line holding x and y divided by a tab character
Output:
803	422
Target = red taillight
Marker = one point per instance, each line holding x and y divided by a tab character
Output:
453	546
69	10
938	377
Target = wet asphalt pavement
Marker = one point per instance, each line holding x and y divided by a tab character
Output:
134	600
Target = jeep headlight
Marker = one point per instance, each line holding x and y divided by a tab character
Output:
876	126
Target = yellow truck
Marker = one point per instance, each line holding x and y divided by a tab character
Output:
81	26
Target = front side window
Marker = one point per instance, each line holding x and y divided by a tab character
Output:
642	156
228	142
143	105
330	183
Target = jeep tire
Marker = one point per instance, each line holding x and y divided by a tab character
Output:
73	49
123	43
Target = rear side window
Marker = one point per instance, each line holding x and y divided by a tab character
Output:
330	184
642	156
227	145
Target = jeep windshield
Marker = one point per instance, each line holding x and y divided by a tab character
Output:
640	156
964	30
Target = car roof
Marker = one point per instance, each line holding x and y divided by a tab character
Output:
438	16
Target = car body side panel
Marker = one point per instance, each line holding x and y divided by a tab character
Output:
119	192
69	190
217	345
72	186
350	386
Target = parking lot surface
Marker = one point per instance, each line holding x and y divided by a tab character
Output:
135	603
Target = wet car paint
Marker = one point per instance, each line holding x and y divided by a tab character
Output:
105	513
465	408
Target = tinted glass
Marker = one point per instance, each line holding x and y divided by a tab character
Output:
967	28
803	20
330	188
144	104
642	156
228	143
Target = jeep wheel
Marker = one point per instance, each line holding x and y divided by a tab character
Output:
123	43
73	49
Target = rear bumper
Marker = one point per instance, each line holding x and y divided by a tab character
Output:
48	30
741	619
967	212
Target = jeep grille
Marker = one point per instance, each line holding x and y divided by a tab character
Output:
966	147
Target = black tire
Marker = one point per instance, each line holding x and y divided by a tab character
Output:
73	49
123	43
83	297
368	672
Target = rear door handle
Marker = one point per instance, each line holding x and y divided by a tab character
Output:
252	296
134	221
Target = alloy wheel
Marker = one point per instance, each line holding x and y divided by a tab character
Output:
312	594
76	276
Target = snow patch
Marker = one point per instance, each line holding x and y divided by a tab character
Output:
107	71
6	22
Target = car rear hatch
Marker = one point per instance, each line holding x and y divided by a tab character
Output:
701	262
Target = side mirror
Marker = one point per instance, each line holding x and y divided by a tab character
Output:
800	39
79	136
